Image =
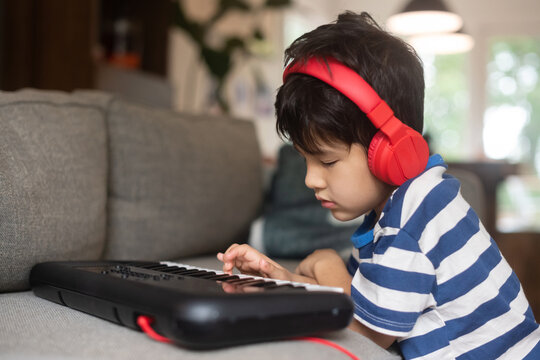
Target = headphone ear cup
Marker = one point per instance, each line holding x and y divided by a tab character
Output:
374	146
395	164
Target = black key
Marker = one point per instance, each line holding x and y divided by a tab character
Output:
209	275
291	286
156	267
241	281
268	284
179	270
254	282
201	274
222	277
193	272
169	269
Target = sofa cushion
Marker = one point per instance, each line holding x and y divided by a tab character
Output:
52	182
179	185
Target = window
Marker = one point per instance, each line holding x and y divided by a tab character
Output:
512	127
446	104
512	116
511	121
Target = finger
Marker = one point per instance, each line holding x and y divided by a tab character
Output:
230	248
236	250
227	268
229	259
233	252
269	269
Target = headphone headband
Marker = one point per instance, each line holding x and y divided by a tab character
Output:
353	86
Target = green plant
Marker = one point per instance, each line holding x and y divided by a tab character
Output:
219	60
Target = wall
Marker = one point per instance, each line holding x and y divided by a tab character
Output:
47	45
252	82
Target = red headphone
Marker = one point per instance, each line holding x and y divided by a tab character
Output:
396	152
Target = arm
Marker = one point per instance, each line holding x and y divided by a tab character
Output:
327	268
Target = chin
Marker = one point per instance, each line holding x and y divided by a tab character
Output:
340	216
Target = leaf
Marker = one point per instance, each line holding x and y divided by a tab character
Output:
226	5
258	34
233	43
219	62
277	3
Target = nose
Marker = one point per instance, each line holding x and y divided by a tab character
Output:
314	180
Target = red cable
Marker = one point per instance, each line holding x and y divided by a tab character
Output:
144	323
328	343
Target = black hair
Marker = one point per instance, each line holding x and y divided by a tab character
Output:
309	111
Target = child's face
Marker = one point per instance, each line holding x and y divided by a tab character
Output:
342	181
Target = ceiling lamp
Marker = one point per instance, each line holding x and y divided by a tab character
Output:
424	16
442	43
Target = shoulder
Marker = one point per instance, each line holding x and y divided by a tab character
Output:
428	208
426	194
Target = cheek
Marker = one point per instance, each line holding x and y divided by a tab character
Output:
361	189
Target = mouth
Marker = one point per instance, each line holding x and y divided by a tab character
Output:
326	203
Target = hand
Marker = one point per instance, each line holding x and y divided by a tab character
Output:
252	262
327	268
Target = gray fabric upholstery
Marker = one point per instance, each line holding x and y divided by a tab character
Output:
52	182
179	185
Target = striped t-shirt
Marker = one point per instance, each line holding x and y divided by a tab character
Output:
434	278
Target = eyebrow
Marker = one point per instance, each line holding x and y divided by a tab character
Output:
320	152
302	152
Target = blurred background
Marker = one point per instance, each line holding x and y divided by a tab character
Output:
482	109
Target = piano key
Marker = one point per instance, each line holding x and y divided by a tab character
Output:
276	282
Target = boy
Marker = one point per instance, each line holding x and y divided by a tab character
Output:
426	273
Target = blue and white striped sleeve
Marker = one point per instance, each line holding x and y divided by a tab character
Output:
391	289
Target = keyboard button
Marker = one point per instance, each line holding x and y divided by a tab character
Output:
218	277
187	272
231	278
178	270
195	273
251	282
208	275
157	267
202	274
267	284
242	281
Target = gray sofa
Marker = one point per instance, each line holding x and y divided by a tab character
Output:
86	176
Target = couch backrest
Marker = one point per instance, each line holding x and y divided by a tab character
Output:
86	176
53	188
179	185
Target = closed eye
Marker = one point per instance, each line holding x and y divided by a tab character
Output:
328	163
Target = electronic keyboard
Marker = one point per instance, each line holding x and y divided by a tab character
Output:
193	307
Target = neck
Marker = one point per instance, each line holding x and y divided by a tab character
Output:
380	207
